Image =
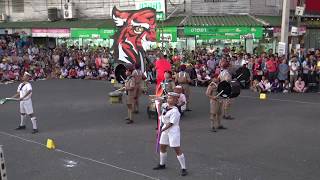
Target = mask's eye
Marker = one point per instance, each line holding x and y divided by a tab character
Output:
138	29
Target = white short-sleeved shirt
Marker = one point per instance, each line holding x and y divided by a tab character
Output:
172	116
294	66
225	75
23	89
183	99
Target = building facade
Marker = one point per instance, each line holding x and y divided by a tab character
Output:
18	10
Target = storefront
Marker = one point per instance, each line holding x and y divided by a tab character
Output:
89	37
221	36
166	37
49	37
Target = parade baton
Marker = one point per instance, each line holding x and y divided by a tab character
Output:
157	102
3	101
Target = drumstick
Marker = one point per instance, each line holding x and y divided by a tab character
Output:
239	76
219	93
120	89
122	78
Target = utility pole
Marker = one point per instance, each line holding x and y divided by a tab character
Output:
285	23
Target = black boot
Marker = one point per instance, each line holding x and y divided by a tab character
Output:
159	167
34	131
20	127
184	172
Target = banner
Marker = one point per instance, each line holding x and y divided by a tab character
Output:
54	33
221	32
167	34
92	33
158	5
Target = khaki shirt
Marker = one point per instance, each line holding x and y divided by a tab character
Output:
130	89
212	90
183	78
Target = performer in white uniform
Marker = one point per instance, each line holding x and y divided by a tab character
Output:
24	94
170	133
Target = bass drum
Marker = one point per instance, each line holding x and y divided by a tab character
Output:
120	73
235	89
229	90
225	88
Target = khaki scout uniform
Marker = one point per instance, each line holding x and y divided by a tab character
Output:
183	79
226	76
215	105
168	85
138	75
130	90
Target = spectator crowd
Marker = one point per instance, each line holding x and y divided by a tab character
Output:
266	72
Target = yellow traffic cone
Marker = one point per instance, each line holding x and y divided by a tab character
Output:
263	96
50	144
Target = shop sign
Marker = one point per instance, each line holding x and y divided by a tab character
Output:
54	33
300	31
221	32
158	5
92	33
167	34
2	31
282	48
22	32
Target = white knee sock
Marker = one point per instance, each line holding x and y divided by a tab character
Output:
163	158
22	118
34	122
182	161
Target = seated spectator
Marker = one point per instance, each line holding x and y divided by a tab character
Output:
299	86
64	73
80	73
203	78
11	75
264	85
72	73
286	86
276	86
255	86
5	76
95	73
103	75
88	74
17	74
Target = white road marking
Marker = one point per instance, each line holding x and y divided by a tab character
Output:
81	157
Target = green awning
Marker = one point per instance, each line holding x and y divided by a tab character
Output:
79	23
311	23
271	20
226	20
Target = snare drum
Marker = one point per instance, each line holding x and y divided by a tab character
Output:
115	97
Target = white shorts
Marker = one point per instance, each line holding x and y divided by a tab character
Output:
26	107
173	140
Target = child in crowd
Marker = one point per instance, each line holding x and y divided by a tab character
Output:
299	86
264	85
103	75
276	86
72	73
286	86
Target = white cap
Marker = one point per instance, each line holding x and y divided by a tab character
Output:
179	87
173	94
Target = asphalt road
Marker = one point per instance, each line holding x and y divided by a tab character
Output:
274	139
